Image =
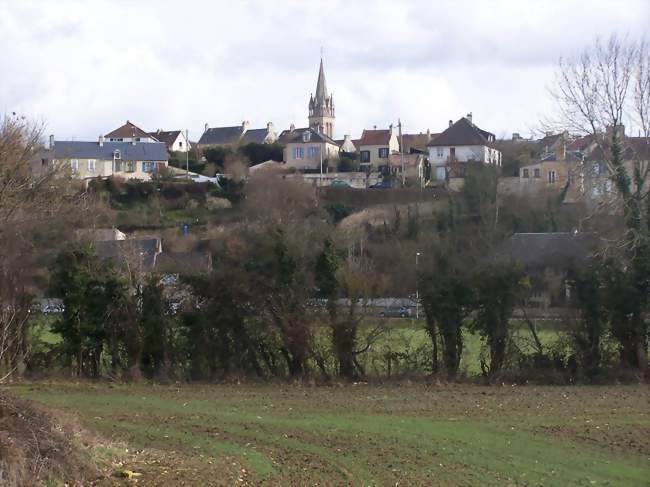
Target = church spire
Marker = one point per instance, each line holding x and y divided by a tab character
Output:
321	86
321	106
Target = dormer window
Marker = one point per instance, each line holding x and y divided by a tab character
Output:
306	136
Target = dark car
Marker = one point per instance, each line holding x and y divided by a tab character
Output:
382	185
396	312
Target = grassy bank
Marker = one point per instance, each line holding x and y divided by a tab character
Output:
368	435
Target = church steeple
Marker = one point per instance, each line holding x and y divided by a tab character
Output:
321	106
321	86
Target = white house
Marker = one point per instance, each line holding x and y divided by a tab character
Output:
175	140
461	143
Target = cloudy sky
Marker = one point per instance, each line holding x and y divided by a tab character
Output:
85	66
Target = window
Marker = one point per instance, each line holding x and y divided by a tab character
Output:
74	165
383	152
137	139
365	156
298	152
551	176
180	145
313	152
440	152
117	154
130	166
526	173
306	136
148	166
536	172
43	162
91	165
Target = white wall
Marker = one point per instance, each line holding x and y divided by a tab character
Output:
465	153
180	144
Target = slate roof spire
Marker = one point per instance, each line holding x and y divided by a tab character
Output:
321	85
321	106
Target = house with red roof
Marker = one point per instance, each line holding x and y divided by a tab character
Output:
129	132
375	147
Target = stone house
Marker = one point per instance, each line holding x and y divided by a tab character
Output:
303	148
375	147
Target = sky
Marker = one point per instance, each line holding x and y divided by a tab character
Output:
83	67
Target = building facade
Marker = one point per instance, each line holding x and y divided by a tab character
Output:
305	148
462	143
175	140
86	160
376	146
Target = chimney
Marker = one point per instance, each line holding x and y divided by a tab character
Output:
101	141
451	122
516	136
469	117
292	127
548	133
428	133
269	127
390	128
206	127
51	141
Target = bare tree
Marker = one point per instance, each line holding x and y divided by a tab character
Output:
597	92
28	201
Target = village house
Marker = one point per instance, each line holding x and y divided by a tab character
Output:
595	177
129	133
236	135
416	143
85	160
174	140
552	173
348	145
375	147
462	142
303	148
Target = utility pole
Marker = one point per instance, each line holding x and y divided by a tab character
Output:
401	148
187	154
417	288
320	150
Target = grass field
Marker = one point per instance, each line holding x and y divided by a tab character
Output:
407	434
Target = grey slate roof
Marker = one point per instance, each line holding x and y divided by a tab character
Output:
168	137
546	249
463	132
184	262
254	135
295	136
140	151
221	135
321	85
144	251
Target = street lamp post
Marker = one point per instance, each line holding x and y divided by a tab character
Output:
417	288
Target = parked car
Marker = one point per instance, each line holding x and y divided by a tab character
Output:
396	312
339	183
382	185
